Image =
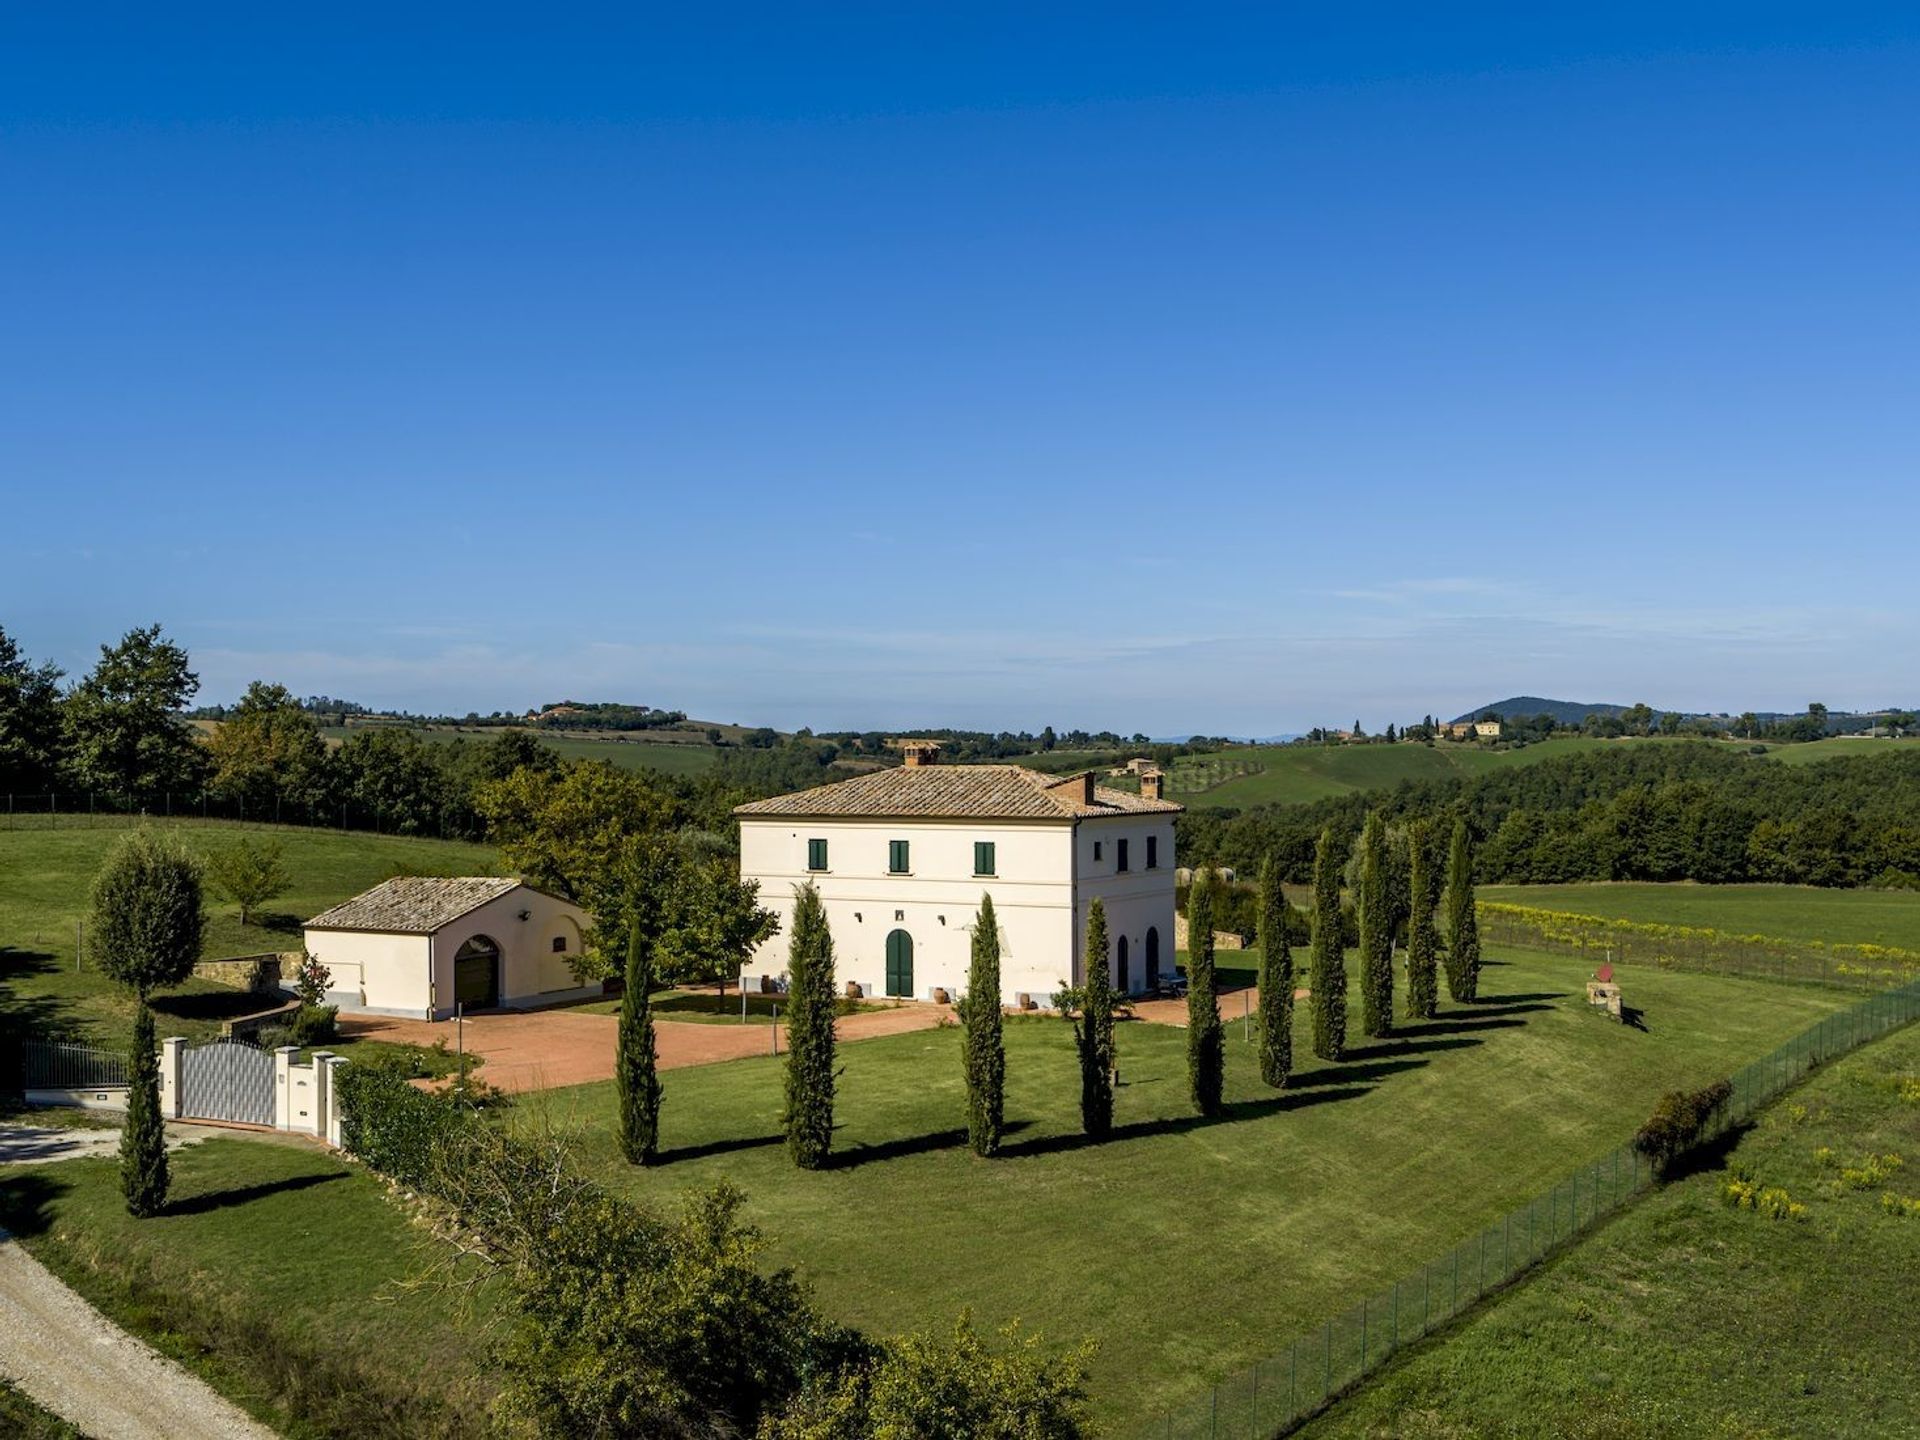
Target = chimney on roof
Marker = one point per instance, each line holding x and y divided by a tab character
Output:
920	752
1150	783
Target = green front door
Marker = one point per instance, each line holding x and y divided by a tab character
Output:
900	964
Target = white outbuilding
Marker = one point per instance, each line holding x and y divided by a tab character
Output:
418	945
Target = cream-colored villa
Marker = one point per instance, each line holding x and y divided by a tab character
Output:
902	856
418	945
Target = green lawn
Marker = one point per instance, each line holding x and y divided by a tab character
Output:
24	1420
1686	1317
280	1273
49	874
1189	1249
1787	912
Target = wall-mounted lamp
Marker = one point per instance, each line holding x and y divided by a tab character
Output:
899	915
526	914
856	915
943	919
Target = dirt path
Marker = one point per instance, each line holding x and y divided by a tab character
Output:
545	1049
39	1144
70	1359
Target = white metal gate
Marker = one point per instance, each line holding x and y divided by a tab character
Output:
227	1080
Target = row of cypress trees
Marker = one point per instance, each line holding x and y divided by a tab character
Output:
811	1073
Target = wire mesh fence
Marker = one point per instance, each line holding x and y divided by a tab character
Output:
1280	1392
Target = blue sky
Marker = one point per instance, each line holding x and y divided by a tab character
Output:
1189	368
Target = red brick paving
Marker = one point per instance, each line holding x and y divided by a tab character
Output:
544	1049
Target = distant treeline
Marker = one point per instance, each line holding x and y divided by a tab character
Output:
1666	812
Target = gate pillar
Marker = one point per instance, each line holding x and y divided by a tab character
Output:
170	1049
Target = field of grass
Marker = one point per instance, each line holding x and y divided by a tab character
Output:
24	1420
1787	912
279	1273
1837	746
1685	1316
1188	1248
672	757
49	874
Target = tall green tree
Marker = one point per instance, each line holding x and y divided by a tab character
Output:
1206	1046
1376	930
268	753
124	734
1422	984
248	874
149	918
143	1141
1328	969
810	1039
1276	978
635	1077
29	722
1094	1031
983	1045
1463	925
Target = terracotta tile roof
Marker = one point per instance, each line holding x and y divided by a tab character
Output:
414	904
960	792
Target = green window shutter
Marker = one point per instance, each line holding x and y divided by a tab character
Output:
897	857
983	857
816	854
1120	855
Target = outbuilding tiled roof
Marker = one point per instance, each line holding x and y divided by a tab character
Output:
414	904
961	792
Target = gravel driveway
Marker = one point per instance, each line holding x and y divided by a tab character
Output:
69	1358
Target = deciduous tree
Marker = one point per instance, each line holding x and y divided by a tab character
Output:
123	732
810	1038
29	721
148	916
983	1045
1206	1046
1463	926
1328	973
268	751
248	874
1276	979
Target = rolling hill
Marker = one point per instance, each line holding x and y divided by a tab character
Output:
1564	712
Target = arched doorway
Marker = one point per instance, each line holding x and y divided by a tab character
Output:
476	974
1123	986
900	964
1153	957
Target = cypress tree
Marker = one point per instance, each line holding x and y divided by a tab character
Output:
1463	926
634	1075
1376	930
984	1046
143	1143
1206	1046
1329	963
810	1039
1095	1030
1422	989
1276	979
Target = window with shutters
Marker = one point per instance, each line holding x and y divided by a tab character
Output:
1120	856
983	857
897	857
1153	852
816	854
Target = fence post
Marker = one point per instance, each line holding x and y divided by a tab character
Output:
282	1088
170	1049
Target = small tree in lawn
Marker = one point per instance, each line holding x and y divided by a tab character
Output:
143	1143
1328	970
1376	931
1094	1032
1276	979
983	1044
248	874
1422	984
810	1040
635	1078
148	917
1206	1046
1463	926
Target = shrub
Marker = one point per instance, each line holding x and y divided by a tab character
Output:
148	918
313	1025
311	979
1093	1031
1328	969
392	1127
636	1081
1679	1122
1276	979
